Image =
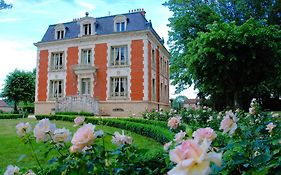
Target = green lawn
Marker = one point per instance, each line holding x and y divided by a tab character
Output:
11	147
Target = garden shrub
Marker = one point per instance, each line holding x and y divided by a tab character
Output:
76	113
11	116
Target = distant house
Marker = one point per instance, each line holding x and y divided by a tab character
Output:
191	103
112	65
5	107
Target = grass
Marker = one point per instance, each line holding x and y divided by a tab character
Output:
12	149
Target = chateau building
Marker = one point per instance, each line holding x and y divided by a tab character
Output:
113	65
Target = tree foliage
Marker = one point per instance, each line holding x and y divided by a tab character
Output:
19	86
4	5
208	45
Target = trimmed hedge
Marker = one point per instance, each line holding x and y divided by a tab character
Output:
155	132
11	116
75	113
144	121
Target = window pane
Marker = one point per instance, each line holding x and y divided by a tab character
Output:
123	26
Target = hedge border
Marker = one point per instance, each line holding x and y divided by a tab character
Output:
157	133
11	116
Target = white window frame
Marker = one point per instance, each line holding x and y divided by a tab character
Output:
88	86
116	52
87	21
60	31
56	89
86	56
57	61
120	19
153	60
116	84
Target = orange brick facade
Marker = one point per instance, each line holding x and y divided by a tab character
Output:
71	78
137	70
42	75
101	64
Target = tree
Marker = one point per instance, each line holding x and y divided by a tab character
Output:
235	60
19	86
4	5
191	17
178	102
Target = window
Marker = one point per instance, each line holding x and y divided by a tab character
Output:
161	64
119	55
165	95
118	87
86	56
120	23
153	58
153	89
161	91
60	34
87	29
56	89
120	27
60	31
57	61
85	86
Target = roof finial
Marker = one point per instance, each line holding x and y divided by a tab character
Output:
87	14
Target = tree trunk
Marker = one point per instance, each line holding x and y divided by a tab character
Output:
16	107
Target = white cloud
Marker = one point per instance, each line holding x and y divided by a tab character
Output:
5	20
86	5
16	55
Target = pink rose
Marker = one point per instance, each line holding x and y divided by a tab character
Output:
179	137
193	158
174	122
23	128
43	130
167	146
204	133
228	124
270	127
79	120
61	135
83	137
11	170
121	139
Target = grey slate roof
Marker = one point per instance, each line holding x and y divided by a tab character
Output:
104	25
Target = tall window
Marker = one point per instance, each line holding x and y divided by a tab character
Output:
119	55
60	34
57	61
118	87
153	58
153	89
87	29
86	56
56	89
85	86
120	26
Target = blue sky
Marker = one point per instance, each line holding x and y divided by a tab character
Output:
28	20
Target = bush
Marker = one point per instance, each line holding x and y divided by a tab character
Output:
11	116
76	113
157	133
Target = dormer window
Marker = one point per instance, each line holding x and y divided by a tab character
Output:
87	25
87	29
120	23
59	31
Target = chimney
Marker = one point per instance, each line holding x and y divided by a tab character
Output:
143	12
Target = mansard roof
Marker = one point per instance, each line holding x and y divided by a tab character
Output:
136	21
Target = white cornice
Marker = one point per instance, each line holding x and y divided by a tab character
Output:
102	38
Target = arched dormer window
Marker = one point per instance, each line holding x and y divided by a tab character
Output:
120	23
87	26
59	31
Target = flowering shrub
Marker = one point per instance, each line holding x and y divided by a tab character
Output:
84	153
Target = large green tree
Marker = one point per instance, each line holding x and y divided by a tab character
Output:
190	17
19	87
4	5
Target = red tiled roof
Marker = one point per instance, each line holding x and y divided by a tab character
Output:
3	104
